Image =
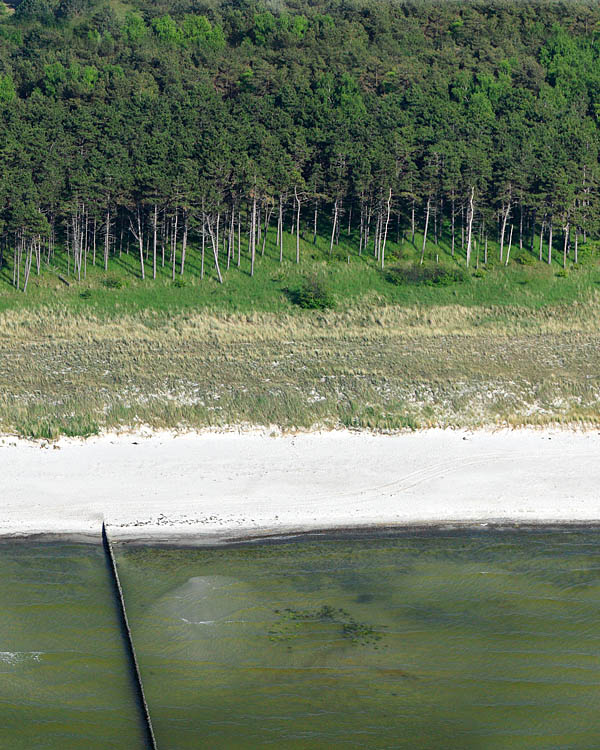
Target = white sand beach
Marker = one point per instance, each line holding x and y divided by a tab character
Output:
219	486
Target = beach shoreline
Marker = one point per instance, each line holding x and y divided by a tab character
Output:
227	487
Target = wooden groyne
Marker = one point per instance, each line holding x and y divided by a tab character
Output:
135	669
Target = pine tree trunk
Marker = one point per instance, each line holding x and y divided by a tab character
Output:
184	241
203	246
217	237
214	238
333	228
509	244
425	231
268	213
521	226
453	229
141	242
154	240
27	266
106	239
252	236
503	230
470	215
362	226
231	238
174	245
565	243
299	205
377	243
94	244
239	233
280	229
387	221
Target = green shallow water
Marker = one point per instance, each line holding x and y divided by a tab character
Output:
64	681
482	641
460	641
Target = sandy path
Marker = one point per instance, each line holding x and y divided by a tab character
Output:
223	485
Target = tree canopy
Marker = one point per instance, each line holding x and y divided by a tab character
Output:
159	119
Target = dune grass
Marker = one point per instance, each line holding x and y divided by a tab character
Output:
383	368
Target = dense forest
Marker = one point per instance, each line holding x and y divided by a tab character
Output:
160	128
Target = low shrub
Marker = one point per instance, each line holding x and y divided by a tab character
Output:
429	274
86	294
112	282
526	260
311	294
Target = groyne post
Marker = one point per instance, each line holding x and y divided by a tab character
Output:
135	669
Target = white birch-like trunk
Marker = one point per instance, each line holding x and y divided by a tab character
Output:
106	239
385	233
215	246
362	226
509	244
453	230
174	245
239	237
140	238
253	236
184	241
334	227
299	205
280	230
268	213
202	251
470	214
503	230
28	258
425	231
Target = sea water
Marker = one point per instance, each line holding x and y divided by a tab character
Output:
65	683
453	641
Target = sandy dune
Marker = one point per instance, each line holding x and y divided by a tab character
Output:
218	486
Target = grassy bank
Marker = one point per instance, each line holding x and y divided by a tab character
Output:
369	366
350	279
